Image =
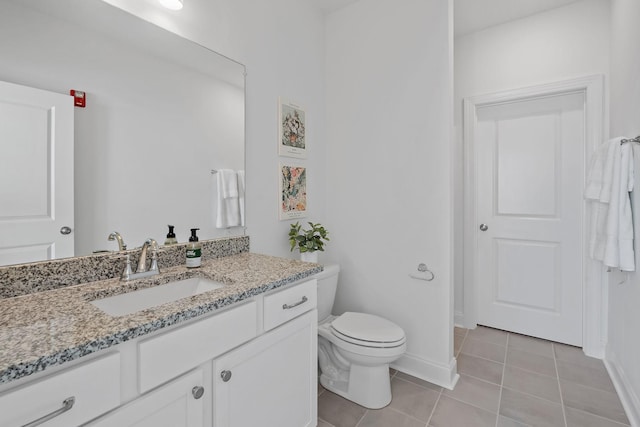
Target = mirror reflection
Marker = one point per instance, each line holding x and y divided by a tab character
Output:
162	114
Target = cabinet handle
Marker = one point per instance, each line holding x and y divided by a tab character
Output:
287	306
225	375
66	405
197	392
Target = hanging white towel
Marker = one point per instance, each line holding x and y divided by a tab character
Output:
241	188
228	212
609	182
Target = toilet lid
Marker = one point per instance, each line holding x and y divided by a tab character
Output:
367	327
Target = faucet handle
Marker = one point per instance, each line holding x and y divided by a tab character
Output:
154	259
126	273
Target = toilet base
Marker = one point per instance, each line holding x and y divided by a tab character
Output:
368	386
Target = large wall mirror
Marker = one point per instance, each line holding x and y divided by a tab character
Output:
162	115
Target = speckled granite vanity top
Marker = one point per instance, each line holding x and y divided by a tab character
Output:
52	327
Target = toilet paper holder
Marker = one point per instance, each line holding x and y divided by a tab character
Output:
424	273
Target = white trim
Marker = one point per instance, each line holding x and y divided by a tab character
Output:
594	311
443	375
630	401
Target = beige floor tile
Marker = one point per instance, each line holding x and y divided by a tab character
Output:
460	331
532	383
576	355
322	423
576	418
412	400
480	368
476	392
584	375
531	362
387	417
483	333
483	349
418	381
450	412
530	410
338	411
457	343
598	402
530	344
508	422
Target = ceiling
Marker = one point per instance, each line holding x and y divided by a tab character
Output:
475	15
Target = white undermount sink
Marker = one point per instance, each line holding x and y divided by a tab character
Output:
130	302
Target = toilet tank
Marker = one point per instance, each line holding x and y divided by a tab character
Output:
327	285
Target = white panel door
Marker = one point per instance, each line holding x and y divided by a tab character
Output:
530	171
36	174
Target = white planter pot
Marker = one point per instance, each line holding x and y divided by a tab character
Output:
309	256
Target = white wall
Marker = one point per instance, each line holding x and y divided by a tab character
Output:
388	193
560	44
281	42
623	350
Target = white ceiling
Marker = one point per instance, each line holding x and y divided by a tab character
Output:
475	15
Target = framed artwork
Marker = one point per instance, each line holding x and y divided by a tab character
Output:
293	192
293	126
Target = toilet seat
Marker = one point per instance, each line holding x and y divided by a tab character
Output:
367	330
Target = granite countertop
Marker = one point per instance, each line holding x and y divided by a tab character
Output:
52	327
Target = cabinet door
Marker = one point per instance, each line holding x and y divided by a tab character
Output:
271	381
176	404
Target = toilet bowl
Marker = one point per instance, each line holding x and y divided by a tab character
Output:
355	349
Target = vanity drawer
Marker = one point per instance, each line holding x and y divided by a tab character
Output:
284	305
94	387
166	356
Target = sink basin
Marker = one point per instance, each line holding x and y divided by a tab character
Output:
123	304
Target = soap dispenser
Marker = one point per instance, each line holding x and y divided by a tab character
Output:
194	250
171	237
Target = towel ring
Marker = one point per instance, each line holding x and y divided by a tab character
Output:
422	268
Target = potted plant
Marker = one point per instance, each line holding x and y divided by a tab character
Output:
308	241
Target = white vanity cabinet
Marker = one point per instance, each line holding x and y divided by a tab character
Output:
251	364
270	381
67	398
180	403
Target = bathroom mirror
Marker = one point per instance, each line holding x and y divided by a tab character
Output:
162	114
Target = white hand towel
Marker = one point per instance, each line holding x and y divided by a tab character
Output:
228	212
610	180
241	188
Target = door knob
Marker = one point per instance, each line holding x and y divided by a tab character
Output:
484	227
65	230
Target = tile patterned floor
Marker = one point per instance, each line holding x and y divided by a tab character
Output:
506	380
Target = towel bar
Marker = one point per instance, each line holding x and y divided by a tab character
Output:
636	139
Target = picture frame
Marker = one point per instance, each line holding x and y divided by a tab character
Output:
293	191
292	140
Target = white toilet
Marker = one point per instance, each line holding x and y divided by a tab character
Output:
355	349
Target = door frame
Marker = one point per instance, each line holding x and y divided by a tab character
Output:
594	299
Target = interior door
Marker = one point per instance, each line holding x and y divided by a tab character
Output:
36	174
530	175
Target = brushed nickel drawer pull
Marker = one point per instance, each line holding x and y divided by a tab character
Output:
66	405
302	301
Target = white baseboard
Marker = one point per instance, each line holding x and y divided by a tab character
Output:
443	375
627	395
458	319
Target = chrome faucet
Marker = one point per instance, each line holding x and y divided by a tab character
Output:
141	270
122	246
142	261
